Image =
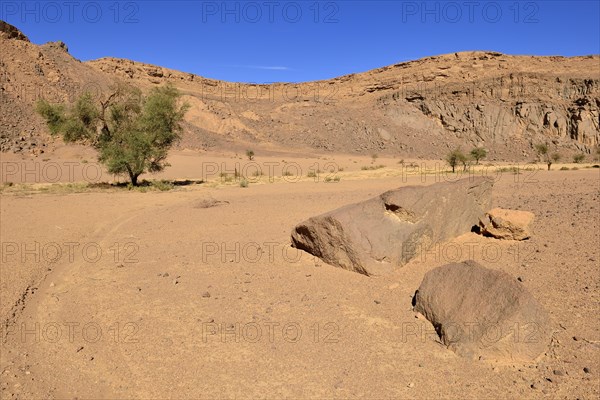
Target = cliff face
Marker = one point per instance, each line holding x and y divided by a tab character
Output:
511	103
525	108
420	108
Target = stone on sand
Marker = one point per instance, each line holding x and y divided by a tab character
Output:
378	235
483	313
506	224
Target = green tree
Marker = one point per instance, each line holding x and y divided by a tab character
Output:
542	150
131	132
478	153
544	154
578	158
250	154
455	158
554	158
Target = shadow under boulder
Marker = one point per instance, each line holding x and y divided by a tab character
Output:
483	313
377	236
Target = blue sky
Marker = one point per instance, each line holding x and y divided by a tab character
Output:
296	41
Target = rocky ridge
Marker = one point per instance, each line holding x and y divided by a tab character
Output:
420	108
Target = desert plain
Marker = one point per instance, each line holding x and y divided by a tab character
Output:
195	292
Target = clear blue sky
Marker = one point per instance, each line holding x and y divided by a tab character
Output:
294	41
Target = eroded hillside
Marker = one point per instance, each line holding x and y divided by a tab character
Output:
416	109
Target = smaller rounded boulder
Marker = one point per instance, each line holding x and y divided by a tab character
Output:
482	313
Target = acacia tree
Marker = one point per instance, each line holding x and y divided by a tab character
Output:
131	132
554	158
542	150
544	154
455	158
478	153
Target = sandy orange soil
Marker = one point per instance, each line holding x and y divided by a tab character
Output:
195	292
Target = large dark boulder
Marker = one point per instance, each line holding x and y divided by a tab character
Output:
483	313
378	235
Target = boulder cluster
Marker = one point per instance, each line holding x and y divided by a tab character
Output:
479	313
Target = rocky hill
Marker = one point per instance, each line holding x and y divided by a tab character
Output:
420	108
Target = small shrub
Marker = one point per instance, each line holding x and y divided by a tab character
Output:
163	185
244	183
334	179
578	158
250	154
372	167
287	173
226	178
312	174
564	168
6	185
514	170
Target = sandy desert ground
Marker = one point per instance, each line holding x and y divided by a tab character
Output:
195	292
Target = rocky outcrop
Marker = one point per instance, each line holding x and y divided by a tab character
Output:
526	108
417	109
483	313
381	234
420	108
60	45
7	31
506	224
28	73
